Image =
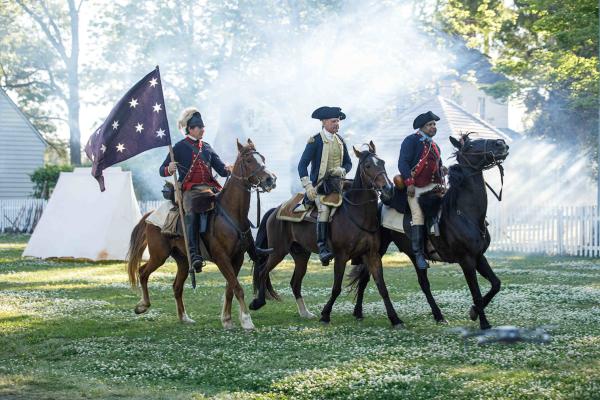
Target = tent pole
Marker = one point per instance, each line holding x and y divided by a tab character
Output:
179	200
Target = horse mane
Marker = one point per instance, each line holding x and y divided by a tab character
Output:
357	182
456	178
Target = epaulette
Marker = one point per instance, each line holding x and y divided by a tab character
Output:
312	138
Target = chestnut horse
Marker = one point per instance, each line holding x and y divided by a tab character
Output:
354	234
226	239
464	237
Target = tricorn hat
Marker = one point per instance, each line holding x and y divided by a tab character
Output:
328	113
422	119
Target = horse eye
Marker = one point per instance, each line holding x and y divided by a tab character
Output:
368	166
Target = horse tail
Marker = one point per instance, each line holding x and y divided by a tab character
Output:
262	241
137	245
358	273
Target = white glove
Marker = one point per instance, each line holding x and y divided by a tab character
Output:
311	192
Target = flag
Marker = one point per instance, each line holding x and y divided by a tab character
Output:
137	123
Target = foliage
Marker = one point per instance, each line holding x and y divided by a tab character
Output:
68	331
39	61
45	178
548	50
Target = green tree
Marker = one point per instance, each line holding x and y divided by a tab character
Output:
40	61
45	178
548	50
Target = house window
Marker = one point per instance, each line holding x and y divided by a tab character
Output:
481	107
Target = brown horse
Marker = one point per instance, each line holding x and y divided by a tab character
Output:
354	234
226	239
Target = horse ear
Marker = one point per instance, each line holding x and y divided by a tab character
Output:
239	145
250	142
455	142
372	146
356	152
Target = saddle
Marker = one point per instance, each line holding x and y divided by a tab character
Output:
202	202
430	203
298	208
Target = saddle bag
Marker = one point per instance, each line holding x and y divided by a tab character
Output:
203	201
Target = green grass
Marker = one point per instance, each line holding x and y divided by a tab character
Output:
67	330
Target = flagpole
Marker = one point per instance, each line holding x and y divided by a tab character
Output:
179	200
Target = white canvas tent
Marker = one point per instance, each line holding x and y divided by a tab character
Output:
79	221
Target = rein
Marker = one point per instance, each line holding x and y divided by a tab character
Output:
371	182
484	165
248	185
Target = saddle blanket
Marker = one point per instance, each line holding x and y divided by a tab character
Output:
159	216
392	219
293	210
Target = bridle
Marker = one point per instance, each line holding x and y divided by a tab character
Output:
372	188
483	165
246	179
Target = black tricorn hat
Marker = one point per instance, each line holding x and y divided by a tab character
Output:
422	119
328	113
195	120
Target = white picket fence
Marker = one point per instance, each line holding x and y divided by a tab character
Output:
573	231
20	215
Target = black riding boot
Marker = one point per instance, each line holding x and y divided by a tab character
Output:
191	226
418	244
325	255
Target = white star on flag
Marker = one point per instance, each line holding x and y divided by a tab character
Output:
153	82
133	103
115	124
103	148
120	147
139	127
157	107
160	133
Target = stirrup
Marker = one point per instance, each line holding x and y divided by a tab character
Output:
263	252
197	264
325	256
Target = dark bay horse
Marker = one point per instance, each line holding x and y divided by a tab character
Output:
464	237
226	239
354	234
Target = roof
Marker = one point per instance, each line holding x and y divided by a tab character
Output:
454	121
24	117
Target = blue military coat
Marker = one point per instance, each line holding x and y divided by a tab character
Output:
410	154
184	155
312	155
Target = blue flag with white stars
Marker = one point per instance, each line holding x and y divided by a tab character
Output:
137	123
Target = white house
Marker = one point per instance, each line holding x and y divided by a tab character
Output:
21	150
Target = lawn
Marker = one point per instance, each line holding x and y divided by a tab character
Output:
67	330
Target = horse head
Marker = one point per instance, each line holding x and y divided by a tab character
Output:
371	170
250	168
479	154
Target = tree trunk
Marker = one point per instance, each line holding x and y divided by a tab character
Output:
73	77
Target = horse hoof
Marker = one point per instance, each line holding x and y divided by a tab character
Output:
399	326
256	304
359	317
442	321
473	313
228	325
325	321
485	327
141	308
187	320
308	315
